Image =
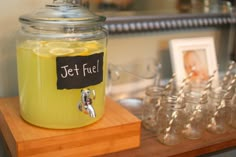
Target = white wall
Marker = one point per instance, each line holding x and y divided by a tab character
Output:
123	49
10	10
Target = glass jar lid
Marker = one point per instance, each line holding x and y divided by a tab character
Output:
63	12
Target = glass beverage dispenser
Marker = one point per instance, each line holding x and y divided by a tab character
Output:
61	63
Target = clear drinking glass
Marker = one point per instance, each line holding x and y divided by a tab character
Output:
219	110
233	111
131	79
196	112
152	101
170	120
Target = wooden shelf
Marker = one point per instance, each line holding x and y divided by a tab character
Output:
188	148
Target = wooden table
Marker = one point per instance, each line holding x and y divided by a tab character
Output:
188	148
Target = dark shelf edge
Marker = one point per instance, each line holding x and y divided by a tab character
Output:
131	24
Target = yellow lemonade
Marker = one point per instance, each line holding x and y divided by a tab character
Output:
42	102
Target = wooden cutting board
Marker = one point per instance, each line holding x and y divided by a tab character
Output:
117	130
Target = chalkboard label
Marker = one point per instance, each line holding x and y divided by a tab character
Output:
76	72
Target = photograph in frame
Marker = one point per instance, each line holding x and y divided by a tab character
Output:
193	53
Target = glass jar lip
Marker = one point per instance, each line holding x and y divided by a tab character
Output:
196	97
155	90
62	14
219	92
172	102
193	94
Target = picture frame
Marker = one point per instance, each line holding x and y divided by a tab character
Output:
193	54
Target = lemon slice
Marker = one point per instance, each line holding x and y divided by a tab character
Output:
58	44
80	51
44	52
61	51
92	46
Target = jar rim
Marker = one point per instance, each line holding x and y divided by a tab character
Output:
155	90
196	97
62	14
172	101
219	92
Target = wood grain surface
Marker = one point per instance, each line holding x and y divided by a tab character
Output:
187	148
117	130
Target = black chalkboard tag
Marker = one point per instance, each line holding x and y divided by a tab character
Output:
74	72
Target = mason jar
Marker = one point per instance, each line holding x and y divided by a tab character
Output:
196	112
152	101
61	63
170	121
219	110
233	110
